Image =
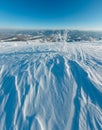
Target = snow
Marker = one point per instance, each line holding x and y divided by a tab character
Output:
50	86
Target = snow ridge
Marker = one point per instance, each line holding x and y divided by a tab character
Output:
55	86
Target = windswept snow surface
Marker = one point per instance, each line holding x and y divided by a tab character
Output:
50	86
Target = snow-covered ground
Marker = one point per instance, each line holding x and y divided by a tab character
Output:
50	86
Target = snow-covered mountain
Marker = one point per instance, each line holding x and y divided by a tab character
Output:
55	86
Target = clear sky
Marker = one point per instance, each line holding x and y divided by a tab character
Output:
30	14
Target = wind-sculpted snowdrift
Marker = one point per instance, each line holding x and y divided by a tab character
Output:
55	86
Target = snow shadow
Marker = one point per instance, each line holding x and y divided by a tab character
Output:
83	81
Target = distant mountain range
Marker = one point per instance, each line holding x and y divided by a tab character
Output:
50	35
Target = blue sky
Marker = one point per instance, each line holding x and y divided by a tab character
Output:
30	14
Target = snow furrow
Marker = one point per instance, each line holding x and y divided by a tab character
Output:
50	86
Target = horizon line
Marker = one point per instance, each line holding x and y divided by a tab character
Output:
79	29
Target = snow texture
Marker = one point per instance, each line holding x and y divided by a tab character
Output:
50	86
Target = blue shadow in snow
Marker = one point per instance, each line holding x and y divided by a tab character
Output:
82	80
9	89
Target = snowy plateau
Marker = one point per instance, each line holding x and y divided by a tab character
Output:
50	81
